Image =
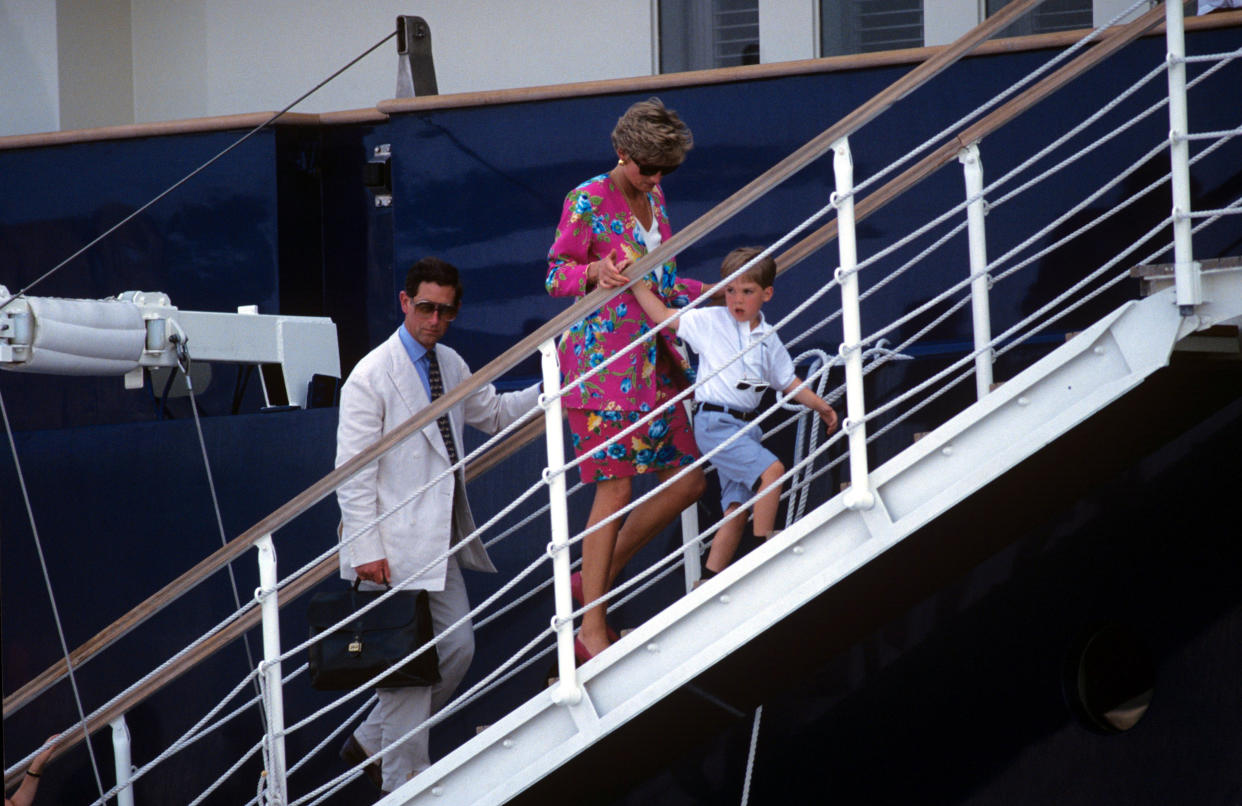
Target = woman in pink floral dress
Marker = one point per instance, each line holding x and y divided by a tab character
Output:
608	222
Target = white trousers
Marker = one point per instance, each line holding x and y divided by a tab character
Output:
400	710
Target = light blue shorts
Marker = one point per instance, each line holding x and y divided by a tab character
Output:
740	464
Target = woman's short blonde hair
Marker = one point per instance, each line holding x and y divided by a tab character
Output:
651	132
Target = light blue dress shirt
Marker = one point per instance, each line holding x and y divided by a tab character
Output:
418	355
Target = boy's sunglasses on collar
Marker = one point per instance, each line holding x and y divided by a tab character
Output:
426	307
649	170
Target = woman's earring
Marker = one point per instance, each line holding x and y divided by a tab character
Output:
621	161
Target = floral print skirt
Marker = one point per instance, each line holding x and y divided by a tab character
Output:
665	441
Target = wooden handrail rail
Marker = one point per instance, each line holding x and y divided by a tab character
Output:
1111	42
666	251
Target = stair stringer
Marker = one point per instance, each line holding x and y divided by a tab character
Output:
985	440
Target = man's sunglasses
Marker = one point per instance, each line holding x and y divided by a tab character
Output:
426	307
650	170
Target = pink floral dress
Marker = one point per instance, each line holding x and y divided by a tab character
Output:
596	221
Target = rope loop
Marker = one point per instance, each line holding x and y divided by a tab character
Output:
840	274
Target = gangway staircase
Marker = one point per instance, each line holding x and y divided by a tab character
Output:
663	663
928	513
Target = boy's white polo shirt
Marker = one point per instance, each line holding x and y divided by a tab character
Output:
716	336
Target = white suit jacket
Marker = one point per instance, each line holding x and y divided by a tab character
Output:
383	391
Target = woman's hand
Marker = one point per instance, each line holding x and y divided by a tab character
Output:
606	273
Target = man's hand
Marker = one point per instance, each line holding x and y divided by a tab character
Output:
830	419
376	572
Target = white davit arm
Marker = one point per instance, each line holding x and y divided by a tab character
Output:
136	330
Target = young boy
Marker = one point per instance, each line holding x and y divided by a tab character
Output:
727	402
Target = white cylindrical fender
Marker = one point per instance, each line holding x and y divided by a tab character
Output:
83	337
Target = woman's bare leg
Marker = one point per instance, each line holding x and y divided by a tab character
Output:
649	518
598	549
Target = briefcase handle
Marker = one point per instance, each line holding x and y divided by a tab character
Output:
355	647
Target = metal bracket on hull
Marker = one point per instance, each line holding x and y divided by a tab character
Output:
416	70
137	331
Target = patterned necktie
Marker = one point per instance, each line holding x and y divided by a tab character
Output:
437	389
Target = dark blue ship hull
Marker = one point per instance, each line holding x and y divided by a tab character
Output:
955	691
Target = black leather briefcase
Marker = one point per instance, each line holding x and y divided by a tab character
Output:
374	642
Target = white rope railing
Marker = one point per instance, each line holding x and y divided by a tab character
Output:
448	710
485	605
1010	339
1095	196
617	591
948	131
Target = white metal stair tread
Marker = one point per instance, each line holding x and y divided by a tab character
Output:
931	476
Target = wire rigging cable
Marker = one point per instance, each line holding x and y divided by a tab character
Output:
192	174
22	292
51	597
183	359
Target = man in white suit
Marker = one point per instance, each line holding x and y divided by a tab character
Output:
388	386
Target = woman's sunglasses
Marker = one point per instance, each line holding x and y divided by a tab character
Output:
426	308
651	170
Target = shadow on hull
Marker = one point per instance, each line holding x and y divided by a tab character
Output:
943	671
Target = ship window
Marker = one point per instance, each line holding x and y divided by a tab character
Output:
697	35
1052	15
1110	679
866	26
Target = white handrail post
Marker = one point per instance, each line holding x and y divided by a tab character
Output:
122	761
690	545
270	669
567	691
976	208
859	495
691	561
1186	271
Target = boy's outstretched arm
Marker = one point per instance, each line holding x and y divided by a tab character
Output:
653	306
813	401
